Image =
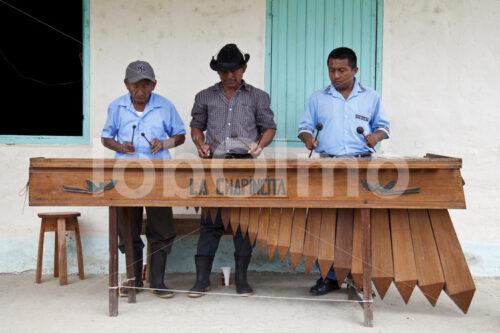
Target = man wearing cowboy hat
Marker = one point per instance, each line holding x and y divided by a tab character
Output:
239	123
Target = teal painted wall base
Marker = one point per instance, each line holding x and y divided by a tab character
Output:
19	254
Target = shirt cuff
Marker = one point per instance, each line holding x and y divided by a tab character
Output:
305	130
386	130
107	135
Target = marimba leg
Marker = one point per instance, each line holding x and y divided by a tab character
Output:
129	258
113	263
367	267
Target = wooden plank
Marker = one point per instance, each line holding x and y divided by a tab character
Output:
439	187
459	284
213	213
244	220
204	212
63	268
39	260
56	253
367	267
201	164
357	253
79	254
311	246
129	258
405	271
253	226
343	247
285	233
263	226
225	216
326	250
50	224
113	263
298	231
383	270
234	219
291	70
273	232
429	271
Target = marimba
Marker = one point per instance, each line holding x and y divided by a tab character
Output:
383	220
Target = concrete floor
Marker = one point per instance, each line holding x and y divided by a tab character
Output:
82	306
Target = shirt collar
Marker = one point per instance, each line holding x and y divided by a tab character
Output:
126	102
356	89
244	86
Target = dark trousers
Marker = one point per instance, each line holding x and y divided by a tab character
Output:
210	234
159	228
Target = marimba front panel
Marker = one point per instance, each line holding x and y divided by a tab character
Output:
317	184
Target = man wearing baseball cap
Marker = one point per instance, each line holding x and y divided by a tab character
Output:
239	123
144	125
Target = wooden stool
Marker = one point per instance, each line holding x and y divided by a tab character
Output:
60	223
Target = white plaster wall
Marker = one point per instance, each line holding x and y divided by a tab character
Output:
440	86
178	38
440	76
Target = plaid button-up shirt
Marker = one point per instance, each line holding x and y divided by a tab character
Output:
232	125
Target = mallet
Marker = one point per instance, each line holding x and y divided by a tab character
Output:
319	127
146	138
133	131
361	131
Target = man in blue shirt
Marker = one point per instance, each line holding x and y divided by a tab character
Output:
342	107
144	125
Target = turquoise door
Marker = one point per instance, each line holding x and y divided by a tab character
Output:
299	36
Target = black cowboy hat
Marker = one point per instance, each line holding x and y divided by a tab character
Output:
229	58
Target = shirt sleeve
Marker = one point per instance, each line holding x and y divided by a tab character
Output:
309	119
175	125
199	115
111	126
264	116
380	121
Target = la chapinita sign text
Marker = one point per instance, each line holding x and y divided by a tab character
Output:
267	187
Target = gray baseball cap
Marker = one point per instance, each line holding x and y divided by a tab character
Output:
139	70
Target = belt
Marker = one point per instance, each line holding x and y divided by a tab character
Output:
232	156
324	155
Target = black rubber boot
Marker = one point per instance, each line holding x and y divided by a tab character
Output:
240	275
137	257
158	263
323	287
203	269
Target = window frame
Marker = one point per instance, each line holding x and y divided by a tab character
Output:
56	139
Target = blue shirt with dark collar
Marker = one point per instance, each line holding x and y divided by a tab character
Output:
341	117
158	120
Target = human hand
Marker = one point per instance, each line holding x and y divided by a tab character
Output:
127	148
311	143
254	149
371	140
156	146
203	150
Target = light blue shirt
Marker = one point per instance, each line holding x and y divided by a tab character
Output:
341	118
158	120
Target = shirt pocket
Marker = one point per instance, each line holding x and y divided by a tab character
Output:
362	119
328	111
154	126
246	112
